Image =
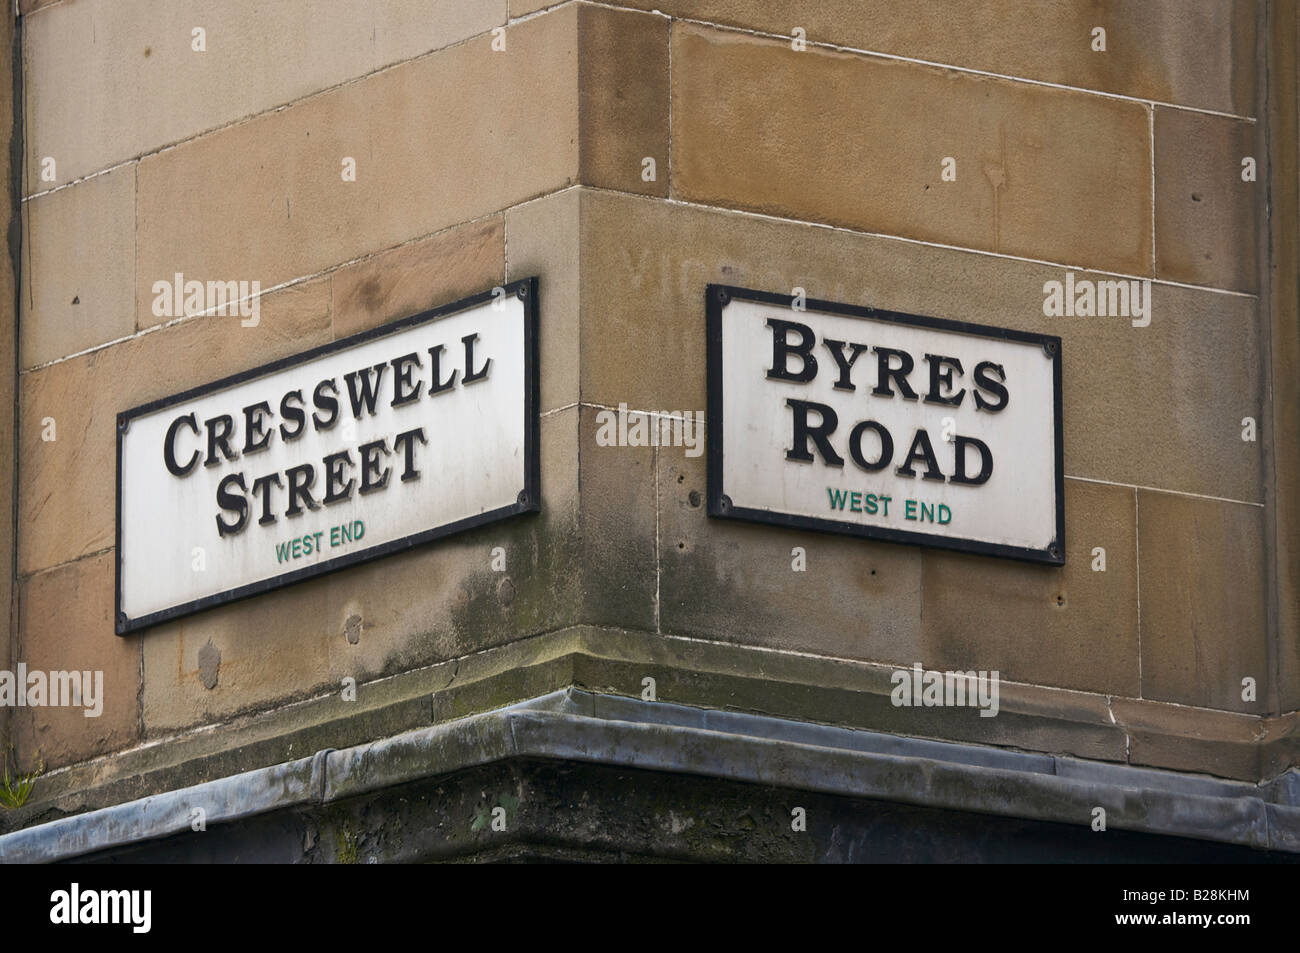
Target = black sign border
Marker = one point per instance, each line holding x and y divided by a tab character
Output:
528	501
717	296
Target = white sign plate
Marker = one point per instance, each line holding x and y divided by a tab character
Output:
364	447
890	426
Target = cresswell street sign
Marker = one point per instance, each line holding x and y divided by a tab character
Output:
367	446
890	426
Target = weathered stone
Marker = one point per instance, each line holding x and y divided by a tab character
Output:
623	100
65	624
843	139
406	280
544	236
264	200
1203	604
79	267
1152	406
1206	214
617	520
1070	626
109	83
1183	739
66	486
235	658
738	582
1199	53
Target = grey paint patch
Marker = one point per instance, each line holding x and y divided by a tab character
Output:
209	665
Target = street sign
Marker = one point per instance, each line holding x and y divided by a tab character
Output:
367	446
890	426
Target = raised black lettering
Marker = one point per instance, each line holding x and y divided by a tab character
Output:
820	435
782	349
233	503
941	371
472	375
921	450
844	364
294	414
899	374
262	488
326	403
406	443
256	436
369	392
886	446
219	430
335	489
370	464
986	461
301	479
402	392
436	385
984	382
169	446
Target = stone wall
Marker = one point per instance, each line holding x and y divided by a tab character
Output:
772	167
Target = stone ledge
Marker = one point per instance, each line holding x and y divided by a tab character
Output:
573	726
1034	722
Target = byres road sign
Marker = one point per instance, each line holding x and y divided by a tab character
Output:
364	447
884	425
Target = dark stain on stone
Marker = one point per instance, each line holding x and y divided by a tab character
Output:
506	592
372	293
352	629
